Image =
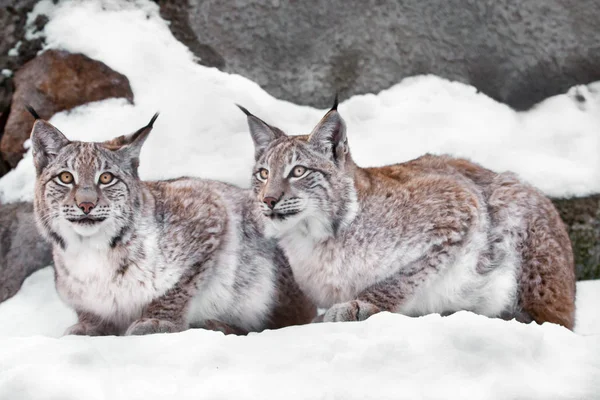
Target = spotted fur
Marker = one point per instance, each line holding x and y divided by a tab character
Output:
433	235
135	257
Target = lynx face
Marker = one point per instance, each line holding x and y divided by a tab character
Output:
303	179
87	188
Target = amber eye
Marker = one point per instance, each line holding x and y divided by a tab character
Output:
263	173
298	171
66	177
106	178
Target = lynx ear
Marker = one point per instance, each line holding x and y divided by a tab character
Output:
262	133
131	145
329	136
46	141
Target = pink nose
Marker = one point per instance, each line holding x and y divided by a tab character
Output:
86	207
270	202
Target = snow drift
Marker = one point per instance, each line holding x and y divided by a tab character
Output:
389	356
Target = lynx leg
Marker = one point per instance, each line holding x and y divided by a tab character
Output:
547	282
165	314
389	294
354	310
91	325
293	307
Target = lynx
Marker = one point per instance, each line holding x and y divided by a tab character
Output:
134	257
433	235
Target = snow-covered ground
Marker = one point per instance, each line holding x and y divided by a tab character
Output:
389	356
201	133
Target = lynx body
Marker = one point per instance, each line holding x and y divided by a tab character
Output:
134	257
433	235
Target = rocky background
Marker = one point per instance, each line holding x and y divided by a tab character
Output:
518	52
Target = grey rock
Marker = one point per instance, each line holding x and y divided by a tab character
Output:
518	52
176	12
22	248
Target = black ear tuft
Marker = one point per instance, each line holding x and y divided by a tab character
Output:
32	111
262	133
335	102
329	136
244	110
151	123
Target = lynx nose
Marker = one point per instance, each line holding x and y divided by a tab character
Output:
270	202
86	207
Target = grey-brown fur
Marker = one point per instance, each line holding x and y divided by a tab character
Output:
436	234
166	255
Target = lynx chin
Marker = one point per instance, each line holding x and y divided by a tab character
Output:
135	257
433	235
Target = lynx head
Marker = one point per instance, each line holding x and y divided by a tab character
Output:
304	182
85	188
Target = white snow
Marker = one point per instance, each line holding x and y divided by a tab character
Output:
588	308
464	356
15	50
201	133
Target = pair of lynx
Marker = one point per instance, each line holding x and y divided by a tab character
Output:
433	235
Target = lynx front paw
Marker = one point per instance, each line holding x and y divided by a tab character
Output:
87	328
147	326
354	310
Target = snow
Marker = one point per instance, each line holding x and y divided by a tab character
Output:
15	50
201	133
388	356
588	308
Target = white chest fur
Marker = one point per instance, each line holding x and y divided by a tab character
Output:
109	284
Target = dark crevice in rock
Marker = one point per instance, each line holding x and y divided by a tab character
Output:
4	167
40	22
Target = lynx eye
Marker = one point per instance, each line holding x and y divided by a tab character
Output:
298	171
263	174
106	178
66	177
